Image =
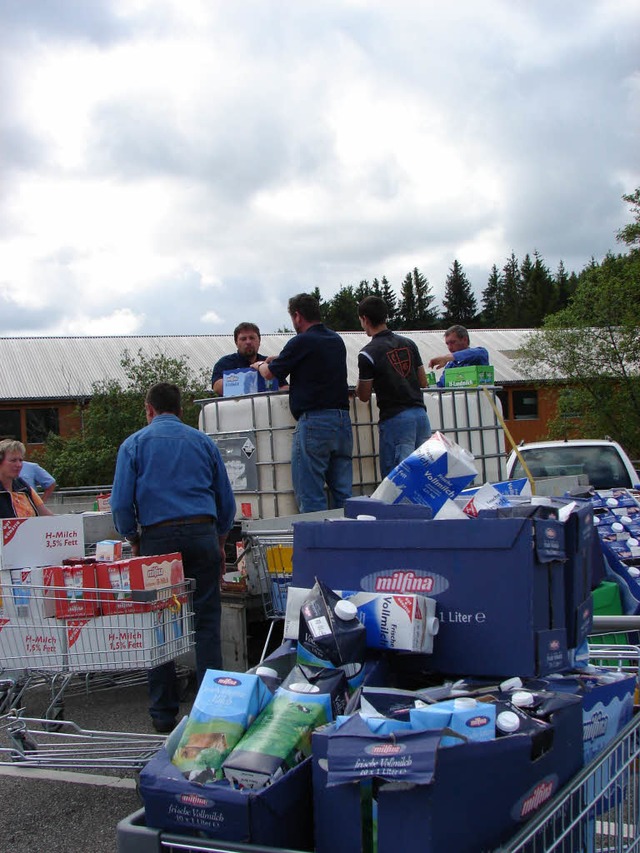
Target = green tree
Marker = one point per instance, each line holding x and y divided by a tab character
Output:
511	296
630	234
565	286
592	348
115	411
388	294
416	310
538	291
492	299
459	302
342	311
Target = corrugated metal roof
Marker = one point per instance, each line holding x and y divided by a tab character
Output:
67	368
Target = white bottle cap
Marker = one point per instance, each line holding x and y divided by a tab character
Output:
634	572
596	520
433	626
617	527
366	518
522	699
632	542
346	610
464	703
540	500
507	721
266	672
612	502
625	519
304	687
511	683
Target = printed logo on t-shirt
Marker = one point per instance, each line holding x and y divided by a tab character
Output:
400	360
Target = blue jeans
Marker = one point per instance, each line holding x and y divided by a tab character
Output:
401	435
321	453
200	549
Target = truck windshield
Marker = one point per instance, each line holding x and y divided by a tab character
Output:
601	464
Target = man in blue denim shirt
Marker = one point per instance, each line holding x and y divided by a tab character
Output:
315	361
171	492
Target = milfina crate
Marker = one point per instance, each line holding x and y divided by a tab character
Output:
431	799
498	583
468	377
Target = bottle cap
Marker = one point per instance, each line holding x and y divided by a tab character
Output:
596	520
617	527
346	610
304	687
612	502
511	683
433	626
632	542
634	572
522	699
464	703
266	672
366	518
507	721
625	519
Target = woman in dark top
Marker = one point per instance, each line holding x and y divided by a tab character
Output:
17	498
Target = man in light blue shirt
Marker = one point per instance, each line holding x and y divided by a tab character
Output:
35	476
460	353
171	492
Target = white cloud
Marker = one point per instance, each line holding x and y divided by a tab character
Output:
177	165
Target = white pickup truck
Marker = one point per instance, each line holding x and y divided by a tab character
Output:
604	462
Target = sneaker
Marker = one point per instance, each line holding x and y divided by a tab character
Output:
163	726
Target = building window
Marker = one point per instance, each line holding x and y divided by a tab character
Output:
503	395
525	405
40	422
10	423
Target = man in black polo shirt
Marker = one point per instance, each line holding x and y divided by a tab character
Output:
315	360
247	338
391	366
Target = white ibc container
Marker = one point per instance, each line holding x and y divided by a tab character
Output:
254	434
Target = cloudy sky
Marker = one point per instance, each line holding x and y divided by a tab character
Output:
176	166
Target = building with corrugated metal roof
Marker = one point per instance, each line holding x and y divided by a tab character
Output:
45	381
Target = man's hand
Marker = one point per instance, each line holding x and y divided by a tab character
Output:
440	360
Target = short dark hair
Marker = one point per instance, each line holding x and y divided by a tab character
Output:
375	309
458	331
245	327
307	305
164	397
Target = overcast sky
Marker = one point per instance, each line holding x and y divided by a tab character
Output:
177	166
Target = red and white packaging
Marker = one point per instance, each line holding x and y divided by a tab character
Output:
72	592
42	541
109	550
115	589
24	592
127	641
154	572
25	645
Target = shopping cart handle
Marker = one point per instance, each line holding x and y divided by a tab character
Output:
604	624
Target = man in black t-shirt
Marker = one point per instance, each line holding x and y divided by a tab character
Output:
390	365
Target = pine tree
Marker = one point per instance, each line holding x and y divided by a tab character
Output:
539	292
415	307
511	306
459	302
388	294
342	311
492	299
562	287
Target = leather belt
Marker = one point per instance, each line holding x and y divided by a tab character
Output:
170	522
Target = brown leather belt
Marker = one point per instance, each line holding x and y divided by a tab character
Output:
170	522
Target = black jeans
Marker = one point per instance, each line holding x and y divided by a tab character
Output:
200	549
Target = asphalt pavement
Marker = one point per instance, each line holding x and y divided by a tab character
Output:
75	810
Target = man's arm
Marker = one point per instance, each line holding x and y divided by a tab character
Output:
363	389
422	377
218	387
440	360
48	491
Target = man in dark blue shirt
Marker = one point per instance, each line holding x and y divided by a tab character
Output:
170	482
315	360
247	338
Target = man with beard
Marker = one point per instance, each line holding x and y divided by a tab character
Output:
247	338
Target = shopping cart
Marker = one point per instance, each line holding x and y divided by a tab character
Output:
57	638
34	742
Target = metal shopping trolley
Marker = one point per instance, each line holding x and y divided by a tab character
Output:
59	636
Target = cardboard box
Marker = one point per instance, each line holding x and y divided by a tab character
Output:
498	583
109	550
31	644
155	572
128	641
278	816
468	377
71	592
457	804
114	597
42	541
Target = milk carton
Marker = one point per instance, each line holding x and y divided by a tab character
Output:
438	470
465	715
109	549
226	705
402	622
